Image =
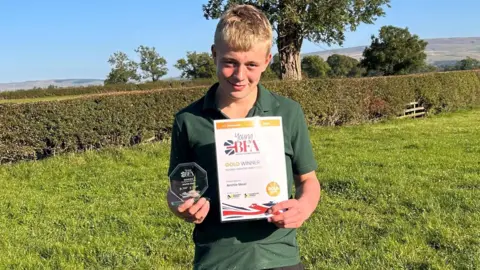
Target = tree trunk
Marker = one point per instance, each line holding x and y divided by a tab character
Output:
290	65
289	42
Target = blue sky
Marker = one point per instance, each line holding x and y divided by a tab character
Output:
54	39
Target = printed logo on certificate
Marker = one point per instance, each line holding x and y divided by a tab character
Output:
252	175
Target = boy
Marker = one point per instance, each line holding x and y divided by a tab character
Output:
241	51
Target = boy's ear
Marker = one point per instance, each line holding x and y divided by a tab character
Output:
267	61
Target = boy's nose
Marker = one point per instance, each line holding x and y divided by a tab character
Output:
240	73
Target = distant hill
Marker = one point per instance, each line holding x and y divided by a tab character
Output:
45	83
440	51
59	83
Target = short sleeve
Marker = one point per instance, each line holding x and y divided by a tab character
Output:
303	157
179	147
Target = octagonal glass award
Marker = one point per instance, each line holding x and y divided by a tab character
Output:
188	180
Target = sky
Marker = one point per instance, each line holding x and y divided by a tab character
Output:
52	39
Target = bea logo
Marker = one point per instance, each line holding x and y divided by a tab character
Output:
240	147
187	173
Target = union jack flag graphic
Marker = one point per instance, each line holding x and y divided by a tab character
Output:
231	211
230	147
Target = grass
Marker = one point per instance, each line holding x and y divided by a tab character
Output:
401	194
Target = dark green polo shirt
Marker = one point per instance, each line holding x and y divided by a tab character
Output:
245	244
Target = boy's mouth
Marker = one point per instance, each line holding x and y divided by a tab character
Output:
238	87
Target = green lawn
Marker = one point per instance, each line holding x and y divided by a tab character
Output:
402	194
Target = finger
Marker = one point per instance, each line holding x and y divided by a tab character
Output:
279	207
185	206
202	213
282	205
277	218
293	222
289	216
292	225
293	218
194	209
278	223
204	210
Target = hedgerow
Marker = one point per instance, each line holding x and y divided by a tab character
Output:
37	130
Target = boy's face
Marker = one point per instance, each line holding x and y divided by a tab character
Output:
239	72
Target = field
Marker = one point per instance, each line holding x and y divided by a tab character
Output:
73	96
28	100
400	194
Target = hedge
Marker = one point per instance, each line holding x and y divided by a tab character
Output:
37	130
96	89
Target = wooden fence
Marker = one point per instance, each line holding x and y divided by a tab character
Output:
413	110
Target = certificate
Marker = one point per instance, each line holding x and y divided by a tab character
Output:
252	175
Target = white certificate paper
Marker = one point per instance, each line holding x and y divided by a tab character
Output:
252	175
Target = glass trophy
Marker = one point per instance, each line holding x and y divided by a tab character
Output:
188	180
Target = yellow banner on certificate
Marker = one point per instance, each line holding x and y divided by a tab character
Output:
270	123
234	124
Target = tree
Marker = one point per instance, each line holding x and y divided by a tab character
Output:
427	68
319	21
272	72
467	64
396	51
314	66
151	63
269	74
197	65
343	66
123	69
275	65
356	72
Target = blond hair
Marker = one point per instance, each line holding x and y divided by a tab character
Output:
243	26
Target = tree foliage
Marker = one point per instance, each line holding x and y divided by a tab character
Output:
314	66
343	66
269	74
394	52
151	63
427	68
272	72
276	65
357	71
197	65
123	69
467	64
319	21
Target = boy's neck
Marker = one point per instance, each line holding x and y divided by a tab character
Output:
235	108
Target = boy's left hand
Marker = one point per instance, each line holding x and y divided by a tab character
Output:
293	214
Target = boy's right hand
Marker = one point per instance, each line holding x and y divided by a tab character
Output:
194	212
